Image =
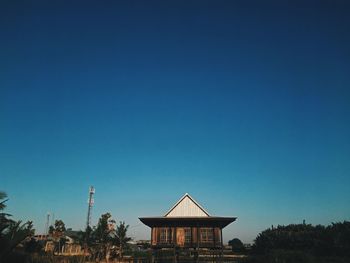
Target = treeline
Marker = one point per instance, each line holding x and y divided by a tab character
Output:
332	240
105	241
299	243
102	242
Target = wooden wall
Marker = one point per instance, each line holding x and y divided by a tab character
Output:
176	237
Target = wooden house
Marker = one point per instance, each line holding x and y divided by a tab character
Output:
187	225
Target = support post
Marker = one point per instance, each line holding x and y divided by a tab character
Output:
191	237
175	258
221	245
198	235
153	256
151	236
213	230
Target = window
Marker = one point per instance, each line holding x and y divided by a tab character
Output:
165	235
206	235
188	235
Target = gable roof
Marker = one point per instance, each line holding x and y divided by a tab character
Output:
187	207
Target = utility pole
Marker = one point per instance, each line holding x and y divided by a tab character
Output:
91	203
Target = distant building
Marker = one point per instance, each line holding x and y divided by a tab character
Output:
70	247
187	225
42	237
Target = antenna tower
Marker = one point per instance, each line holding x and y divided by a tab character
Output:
53	219
91	203
47	223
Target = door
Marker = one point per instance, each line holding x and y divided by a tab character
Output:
180	236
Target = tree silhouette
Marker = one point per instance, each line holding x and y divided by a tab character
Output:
317	240
121	237
12	233
237	245
103	235
57	233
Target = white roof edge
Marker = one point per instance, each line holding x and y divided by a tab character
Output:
183	197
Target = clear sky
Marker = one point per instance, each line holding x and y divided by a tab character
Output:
243	104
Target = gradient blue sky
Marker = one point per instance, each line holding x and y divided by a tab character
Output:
243	104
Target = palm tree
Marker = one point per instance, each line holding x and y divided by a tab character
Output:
121	237
11	232
2	203
103	236
4	221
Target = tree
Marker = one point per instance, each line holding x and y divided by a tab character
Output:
318	240
121	237
51	230
33	246
60	226
101	241
4	221
2	203
237	245
86	237
57	233
86	240
11	232
104	235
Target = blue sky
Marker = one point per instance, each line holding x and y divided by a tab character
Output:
245	105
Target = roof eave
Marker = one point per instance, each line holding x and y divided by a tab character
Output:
187	221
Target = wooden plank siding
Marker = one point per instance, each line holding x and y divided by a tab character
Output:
176	237
187	206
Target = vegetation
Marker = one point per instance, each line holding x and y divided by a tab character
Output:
57	234
12	233
317	240
103	242
237	245
102	237
303	243
121	237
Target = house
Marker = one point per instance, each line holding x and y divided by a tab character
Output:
187	225
69	247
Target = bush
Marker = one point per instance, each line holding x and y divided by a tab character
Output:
333	240
237	245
